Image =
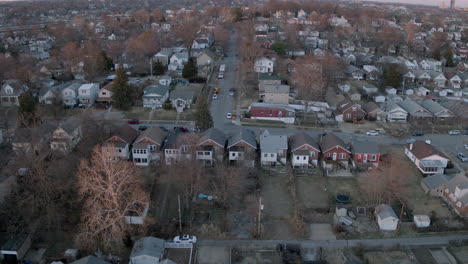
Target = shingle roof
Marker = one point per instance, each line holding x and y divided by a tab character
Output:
269	77
70	124
329	141
300	139
245	135
421	150
412	107
154	134
155	88
272	143
90	260
435	181
213	134
127	133
148	246
433	106
181	94
370	107
365	147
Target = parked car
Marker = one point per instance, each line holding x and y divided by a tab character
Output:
411	140
134	121
163	128
181	129
417	133
215	96
462	157
231	91
142	128
454	132
220	75
372	133
466	146
185	239
229	116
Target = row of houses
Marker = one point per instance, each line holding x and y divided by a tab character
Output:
241	146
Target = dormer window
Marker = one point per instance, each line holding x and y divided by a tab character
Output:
9	90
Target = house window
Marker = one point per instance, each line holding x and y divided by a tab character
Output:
348	115
271	112
342	156
152	148
312	154
9	91
272	155
104	93
373	158
328	154
233	154
265	155
119	150
304	158
144	160
297	157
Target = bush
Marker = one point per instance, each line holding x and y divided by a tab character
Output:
167	106
247	115
197	80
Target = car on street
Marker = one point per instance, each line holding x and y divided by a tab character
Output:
462	157
220	75
142	128
185	239
181	129
163	128
417	133
231	91
466	146
372	133
229	115
133	121
215	96
411	140
454	132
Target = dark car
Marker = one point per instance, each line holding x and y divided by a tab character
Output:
181	129
142	128
163	128
134	121
417	133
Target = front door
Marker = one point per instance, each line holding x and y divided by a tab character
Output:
334	155
365	158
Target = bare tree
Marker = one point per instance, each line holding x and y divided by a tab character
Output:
188	29
308	79
227	183
221	36
110	191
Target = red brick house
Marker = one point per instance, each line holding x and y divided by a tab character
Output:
365	153
272	112
335	153
455	193
350	111
304	150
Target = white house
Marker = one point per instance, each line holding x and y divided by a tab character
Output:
147	146
10	93
426	157
87	93
165	80
395	113
386	218
273	149
155	95
264	65
200	43
70	94
177	61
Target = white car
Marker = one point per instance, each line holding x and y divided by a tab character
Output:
215	96
372	133
454	132
466	146
185	239
462	157
229	116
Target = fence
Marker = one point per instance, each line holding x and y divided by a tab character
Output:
178	245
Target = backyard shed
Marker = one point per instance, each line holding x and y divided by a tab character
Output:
386	218
421	221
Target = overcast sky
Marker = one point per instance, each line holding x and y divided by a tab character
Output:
458	3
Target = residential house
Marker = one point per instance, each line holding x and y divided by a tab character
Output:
66	136
148	146
177	148
371	72
354	72
105	94
390	90
211	146
70	95
147	250
264	65
379	98
273	148
10	93
436	109
350	111
163	56
275	94
304	150
365	153
393	98
177	61
282	113
414	110
422	77
409	77
344	87
205	58
242	147
434	184
119	145
32	140
52	94
200	43
386	217
87	93
335	153
181	99
155	95
438	78
265	80
455	193
373	112
426	157
395	113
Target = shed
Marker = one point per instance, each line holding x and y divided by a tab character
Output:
15	248
147	250
341	210
386	217
421	221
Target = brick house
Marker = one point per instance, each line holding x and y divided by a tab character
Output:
304	150
335	153
365	153
350	111
272	112
455	193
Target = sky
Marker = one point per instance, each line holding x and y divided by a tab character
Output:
458	3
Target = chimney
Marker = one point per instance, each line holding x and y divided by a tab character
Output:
411	146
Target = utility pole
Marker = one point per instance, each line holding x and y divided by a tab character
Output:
151	67
180	215
260	208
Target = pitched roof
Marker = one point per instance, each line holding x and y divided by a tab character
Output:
421	150
370	107
155	88
461	182
108	87
435	181
385	211
300	139
244	135
126	133
70	124
90	260
272	143
181	94
154	134
148	246
265	76
433	106
412	108
365	147
213	134
330	141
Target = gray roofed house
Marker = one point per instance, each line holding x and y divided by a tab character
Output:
373	112
211	145
49	95
213	135
34	139
330	141
147	250
155	95
242	145
273	148
148	145
436	109
456	194
302	138
90	260
365	147
433	184
10	93
304	150
66	136
119	144
414	109
181	99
